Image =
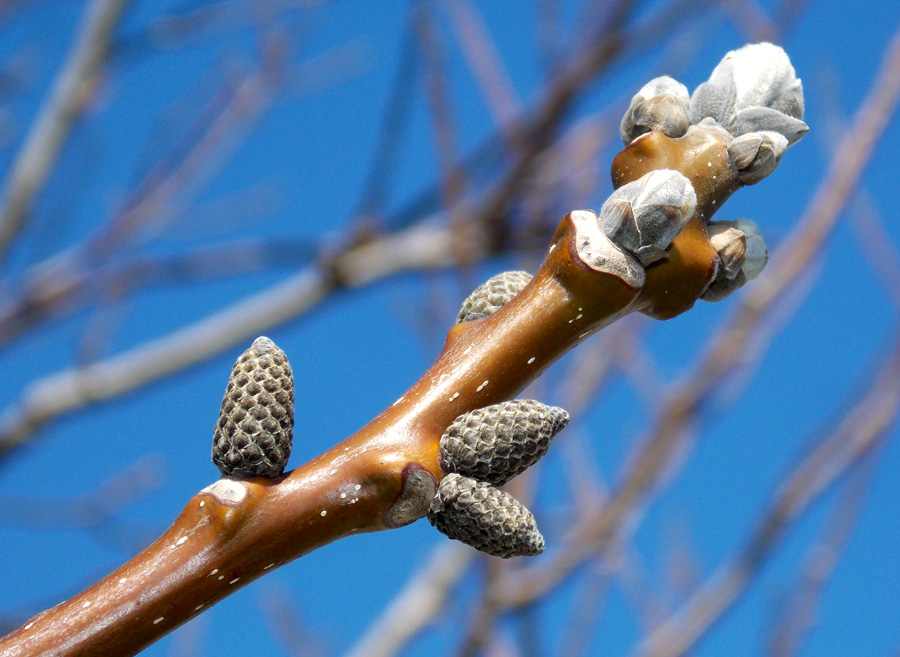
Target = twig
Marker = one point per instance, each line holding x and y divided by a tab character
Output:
798	614
420	248
67	99
485	63
861	430
386	474
423	597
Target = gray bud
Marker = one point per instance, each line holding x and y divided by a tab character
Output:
742	256
756	154
714	100
644	216
662	104
498	442
492	295
757	119
484	517
253	435
753	89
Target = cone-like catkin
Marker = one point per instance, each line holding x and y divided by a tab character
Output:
253	435
484	517
498	442
492	295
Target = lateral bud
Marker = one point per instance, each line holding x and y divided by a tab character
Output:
492	295
487	518
756	154
499	442
253	434
644	216
742	256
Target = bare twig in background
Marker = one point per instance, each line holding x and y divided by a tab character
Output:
95	512
286	623
419	248
551	165
486	64
797	616
860	431
416	605
70	93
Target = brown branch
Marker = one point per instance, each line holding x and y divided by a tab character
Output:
67	100
384	476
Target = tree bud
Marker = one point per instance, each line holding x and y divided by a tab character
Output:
253	435
496	443
484	517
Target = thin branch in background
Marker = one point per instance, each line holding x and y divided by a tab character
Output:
188	24
550	33
68	97
797	616
876	244
440	108
95	512
486	65
859	432
593	592
682	571
421	247
423	597
55	281
52	280
375	191
753	21
284	621
483	614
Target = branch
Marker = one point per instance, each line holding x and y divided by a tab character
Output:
384	476
648	252
66	101
858	434
728	351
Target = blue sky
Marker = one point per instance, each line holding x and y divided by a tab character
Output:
294	175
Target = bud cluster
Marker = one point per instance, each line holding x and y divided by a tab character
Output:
754	94
483	449
754	100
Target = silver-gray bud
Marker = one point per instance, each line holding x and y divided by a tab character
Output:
742	256
756	155
493	294
662	104
753	89
644	216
